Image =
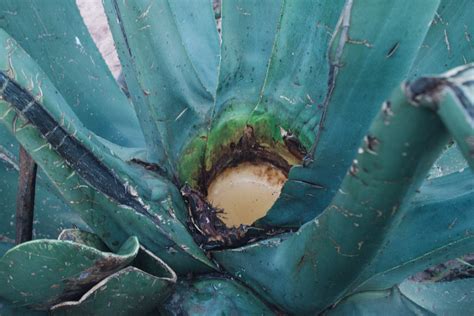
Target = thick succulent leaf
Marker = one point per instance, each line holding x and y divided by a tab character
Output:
8	309
146	261
314	267
8	189
436	227
248	34
54	35
151	187
457	111
195	21
51	213
297	77
41	273
368	58
84	238
155	149
389	302
413	245
128	291
449	42
96	182
213	296
171	48
449	162
442	298
8	143
6	244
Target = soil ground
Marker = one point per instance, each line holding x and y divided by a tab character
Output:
93	14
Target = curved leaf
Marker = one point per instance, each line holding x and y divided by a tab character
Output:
442	298
449	42
84	238
389	302
316	266
436	227
449	162
97	183
8	143
6	244
52	215
196	25
457	110
368	58
7	309
297	76
54	35
125	292
40	273
128	291
248	34
213	296
172	83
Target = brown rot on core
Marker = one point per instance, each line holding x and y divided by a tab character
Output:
211	232
293	144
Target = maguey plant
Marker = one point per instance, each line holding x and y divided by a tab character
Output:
310	158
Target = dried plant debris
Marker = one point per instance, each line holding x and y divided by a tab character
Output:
210	231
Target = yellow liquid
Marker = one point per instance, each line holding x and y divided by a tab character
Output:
245	192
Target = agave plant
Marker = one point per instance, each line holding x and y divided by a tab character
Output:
337	99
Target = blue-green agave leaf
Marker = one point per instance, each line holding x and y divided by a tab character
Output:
128	291
8	309
442	298
450	161
436	227
125	292
213	296
196	26
296	80
248	35
84	238
54	35
175	85
97	183
368	58
6	244
51	215
449	42
388	302
8	188
8	143
41	273
249	29
155	149
316	266
413	245
457	112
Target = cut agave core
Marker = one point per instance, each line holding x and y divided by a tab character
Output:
243	180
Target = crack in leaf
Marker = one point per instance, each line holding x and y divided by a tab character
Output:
342	28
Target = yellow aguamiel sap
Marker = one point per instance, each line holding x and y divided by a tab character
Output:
245	192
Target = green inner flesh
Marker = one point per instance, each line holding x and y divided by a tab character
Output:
245	189
229	128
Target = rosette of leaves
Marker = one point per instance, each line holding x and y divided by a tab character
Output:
380	182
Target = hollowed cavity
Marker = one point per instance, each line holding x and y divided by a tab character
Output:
245	192
233	175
